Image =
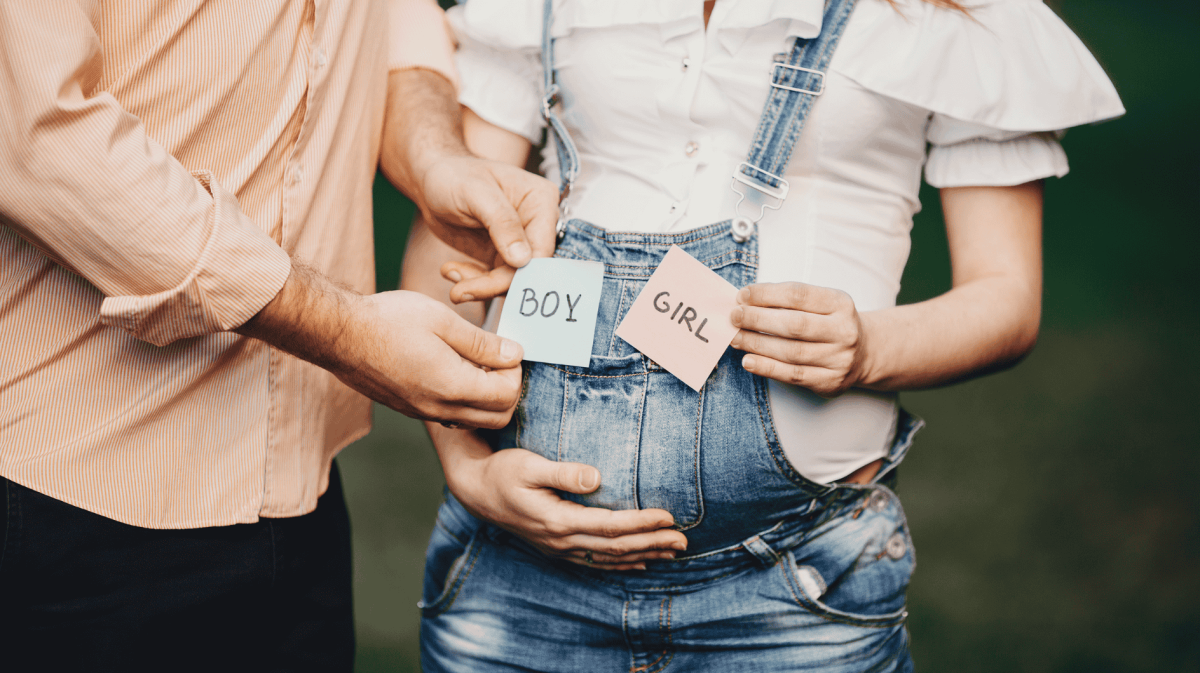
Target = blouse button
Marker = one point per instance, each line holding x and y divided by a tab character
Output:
686	62
691	148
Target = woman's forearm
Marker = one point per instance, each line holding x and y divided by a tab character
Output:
814	337
989	319
974	329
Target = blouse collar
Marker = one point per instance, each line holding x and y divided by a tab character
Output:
733	19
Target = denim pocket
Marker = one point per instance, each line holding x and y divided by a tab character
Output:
451	556
855	568
589	415
639	426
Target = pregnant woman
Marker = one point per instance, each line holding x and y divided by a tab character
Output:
782	145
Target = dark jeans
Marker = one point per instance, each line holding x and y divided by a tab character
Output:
79	592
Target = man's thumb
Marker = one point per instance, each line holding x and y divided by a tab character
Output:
480	346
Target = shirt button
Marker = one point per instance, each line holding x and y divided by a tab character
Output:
691	148
297	175
686	62
319	57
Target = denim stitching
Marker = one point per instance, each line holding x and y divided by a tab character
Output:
456	581
637	496
625	632
732	253
520	415
664	602
669	587
437	523
612	340
594	376
562	421
825	612
652	239
670	638
696	462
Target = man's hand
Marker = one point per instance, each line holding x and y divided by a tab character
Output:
495	212
482	207
402	349
517	490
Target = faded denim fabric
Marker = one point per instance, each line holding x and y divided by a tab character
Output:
781	573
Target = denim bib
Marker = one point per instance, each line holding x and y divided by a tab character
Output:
711	458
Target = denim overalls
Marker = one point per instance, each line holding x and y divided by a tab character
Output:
780	573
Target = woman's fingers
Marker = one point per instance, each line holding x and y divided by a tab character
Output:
795	296
640	565
821	381
459	270
485	286
637	557
601	561
788	323
789	350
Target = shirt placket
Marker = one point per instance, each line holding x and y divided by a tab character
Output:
299	183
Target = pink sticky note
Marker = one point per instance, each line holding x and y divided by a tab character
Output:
681	318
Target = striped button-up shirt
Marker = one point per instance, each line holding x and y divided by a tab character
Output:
159	162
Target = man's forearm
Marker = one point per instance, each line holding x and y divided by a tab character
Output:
308	319
423	122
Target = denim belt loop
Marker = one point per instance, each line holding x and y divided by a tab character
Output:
761	551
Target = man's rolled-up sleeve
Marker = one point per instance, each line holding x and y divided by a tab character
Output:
420	38
80	179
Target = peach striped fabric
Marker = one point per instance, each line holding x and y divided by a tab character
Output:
159	162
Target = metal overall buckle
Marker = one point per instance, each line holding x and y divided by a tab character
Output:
742	226
820	90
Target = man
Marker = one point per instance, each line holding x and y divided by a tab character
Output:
186	337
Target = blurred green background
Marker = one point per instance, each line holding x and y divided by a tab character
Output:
1053	506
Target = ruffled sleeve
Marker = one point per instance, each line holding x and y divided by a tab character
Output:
499	63
499	54
1001	84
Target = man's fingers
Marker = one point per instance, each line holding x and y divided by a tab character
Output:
478	346
470	241
491	205
538	209
466	417
484	286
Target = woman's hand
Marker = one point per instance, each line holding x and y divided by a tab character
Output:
519	491
475	282
800	334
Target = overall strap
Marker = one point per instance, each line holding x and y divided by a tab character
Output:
796	81
568	156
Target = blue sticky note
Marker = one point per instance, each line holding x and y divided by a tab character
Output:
551	310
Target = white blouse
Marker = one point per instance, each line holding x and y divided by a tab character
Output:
663	110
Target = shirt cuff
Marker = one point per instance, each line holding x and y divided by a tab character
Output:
419	37
240	271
